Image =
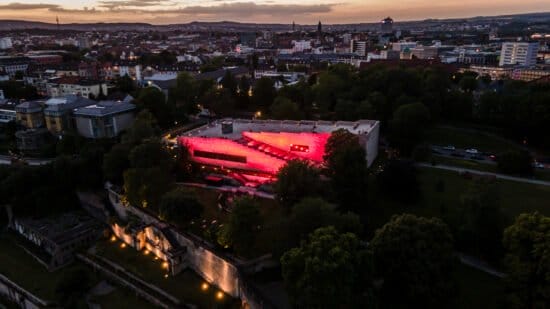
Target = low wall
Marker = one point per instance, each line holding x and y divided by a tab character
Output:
20	296
223	271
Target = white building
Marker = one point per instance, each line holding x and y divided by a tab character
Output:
5	43
358	47
300	46
519	53
402	45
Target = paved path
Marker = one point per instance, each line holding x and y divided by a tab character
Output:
479	265
31	161
498	176
243	189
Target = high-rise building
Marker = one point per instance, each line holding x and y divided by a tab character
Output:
519	53
319	30
5	43
83	42
386	26
358	47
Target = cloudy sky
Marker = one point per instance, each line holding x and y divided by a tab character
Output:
279	11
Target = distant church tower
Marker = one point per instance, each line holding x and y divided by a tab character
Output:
319	30
293	26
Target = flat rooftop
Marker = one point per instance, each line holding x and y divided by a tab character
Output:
214	129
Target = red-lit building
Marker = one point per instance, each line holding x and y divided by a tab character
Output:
262	147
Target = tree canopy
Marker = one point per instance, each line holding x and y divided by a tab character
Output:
527	244
414	256
329	270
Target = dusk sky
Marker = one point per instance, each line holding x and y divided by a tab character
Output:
278	11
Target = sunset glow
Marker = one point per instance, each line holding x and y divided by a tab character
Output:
278	11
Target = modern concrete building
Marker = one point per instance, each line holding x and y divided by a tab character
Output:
11	65
30	114
5	43
7	111
519	53
386	25
58	112
259	148
358	47
105	119
75	85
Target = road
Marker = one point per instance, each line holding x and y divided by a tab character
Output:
498	176
462	154
6	160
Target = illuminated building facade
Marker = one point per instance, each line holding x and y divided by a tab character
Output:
264	146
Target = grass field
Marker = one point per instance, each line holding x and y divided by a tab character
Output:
468	139
515	198
122	298
186	285
476	289
23	269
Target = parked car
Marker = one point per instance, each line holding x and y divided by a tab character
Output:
472	151
449	147
538	165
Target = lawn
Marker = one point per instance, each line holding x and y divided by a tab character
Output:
477	289
539	174
186	285
515	198
24	270
122	298
468	139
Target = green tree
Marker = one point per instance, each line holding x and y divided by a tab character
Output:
399	176
468	83
283	109
145	126
296	180
346	162
264	93
144	187
407	126
179	206
125	84
150	154
229	83
313	212
115	162
527	244
186	92
414	256
480	221
329	270
241	229
154	100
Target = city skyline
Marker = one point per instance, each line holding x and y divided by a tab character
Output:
264	11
